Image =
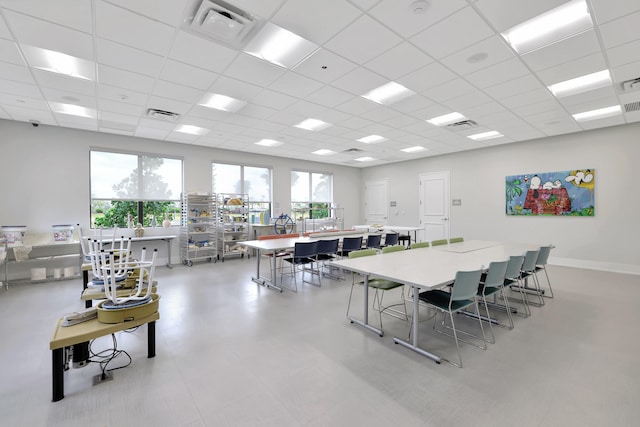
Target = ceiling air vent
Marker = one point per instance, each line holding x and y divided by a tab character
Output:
166	116
222	21
630	85
464	124
632	106
353	151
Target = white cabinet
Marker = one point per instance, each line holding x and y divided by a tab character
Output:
198	241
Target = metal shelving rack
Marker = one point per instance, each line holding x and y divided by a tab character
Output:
198	233
233	224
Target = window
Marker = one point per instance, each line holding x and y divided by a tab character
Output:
251	180
139	187
311	195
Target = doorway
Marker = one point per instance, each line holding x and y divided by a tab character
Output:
434	205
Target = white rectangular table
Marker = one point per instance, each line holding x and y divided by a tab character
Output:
426	269
163	238
391	229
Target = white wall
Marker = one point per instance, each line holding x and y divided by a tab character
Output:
44	174
609	240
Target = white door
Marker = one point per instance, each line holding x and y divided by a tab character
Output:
434	205
376	202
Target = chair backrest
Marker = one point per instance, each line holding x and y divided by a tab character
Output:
361	253
391	239
305	249
513	267
465	285
439	242
456	239
351	243
543	256
416	245
496	274
327	247
394	248
373	240
530	259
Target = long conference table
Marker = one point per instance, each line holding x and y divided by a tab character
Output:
427	269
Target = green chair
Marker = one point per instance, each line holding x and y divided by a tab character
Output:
416	245
493	284
439	242
541	265
456	239
512	279
463	295
380	285
527	271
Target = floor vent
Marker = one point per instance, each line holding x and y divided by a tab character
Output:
166	116
632	106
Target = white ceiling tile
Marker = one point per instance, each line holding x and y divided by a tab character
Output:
4	30
465	61
398	61
235	88
468	100
122	26
567	50
201	52
484	110
272	99
498	73
624	54
356	106
250	69
4	114
171	12
329	96
359	81
128	58
77	122
8	100
295	85
527	98
626	72
124	79
608	10
412	104
504	15
514	87
118	94
260	8
63	97
598	123
450	29
536	108
572	69
187	75
449	90
28	114
15	72
20	89
620	31
107	118
398	15
324	66
178	92
363	40
381	114
316	21
604	95
75	14
355	123
43	34
427	77
70	84
9	52
156	124
305	108
593	104
106	105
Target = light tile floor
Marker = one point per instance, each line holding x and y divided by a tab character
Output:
231	353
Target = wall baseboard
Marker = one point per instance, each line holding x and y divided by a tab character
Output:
596	265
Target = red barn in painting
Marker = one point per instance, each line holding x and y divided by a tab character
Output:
553	201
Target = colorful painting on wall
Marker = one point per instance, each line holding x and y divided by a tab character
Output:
566	193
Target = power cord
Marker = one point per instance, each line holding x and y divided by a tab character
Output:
105	357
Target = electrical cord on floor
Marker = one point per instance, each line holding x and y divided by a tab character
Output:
106	356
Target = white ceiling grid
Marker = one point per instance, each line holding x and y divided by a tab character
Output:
451	55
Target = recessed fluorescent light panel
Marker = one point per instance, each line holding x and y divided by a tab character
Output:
324	152
388	94
193	130
581	84
415	149
372	139
447	119
313	124
485	135
600	113
279	46
555	25
364	159
221	102
73	110
60	63
269	143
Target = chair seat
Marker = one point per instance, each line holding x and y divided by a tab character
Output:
299	261
441	299
381	284
489	290
325	257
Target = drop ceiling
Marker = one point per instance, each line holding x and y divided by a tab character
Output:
451	55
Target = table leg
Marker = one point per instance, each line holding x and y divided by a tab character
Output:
169	252
413	345
85	284
365	324
57	374
269	283
151	339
